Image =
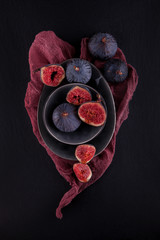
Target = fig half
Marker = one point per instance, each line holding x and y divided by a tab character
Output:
78	95
52	75
82	172
84	153
92	113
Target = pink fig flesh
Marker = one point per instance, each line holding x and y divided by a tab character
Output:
78	95
92	113
84	153
82	172
52	75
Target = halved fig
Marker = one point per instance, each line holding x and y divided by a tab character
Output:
52	75
82	172
92	113
85	152
78	95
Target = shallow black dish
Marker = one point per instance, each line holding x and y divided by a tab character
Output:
84	133
102	140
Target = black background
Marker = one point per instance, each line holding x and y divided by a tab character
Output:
125	202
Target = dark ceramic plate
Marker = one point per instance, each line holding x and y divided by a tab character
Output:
84	133
101	141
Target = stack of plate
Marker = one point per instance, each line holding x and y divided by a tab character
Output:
64	144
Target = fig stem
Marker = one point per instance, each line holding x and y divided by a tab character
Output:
119	72
99	99
76	68
104	40
64	114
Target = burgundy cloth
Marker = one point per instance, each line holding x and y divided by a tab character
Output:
47	48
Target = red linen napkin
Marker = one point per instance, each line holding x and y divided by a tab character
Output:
47	48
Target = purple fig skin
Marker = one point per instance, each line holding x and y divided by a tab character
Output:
65	117
115	70
102	46
78	70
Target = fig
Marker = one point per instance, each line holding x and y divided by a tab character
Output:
65	117
78	70
84	153
92	113
52	75
82	172
78	95
115	70
102	45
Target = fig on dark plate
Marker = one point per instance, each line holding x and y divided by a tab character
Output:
52	75
92	113
102	45
65	117
82	172
78	70
85	152
115	70
78	95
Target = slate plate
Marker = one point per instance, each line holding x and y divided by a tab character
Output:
85	132
101	141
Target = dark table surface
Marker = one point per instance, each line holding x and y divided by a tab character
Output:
125	202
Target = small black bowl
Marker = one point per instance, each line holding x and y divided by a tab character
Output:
85	132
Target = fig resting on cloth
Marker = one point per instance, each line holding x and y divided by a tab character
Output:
102	45
82	172
115	70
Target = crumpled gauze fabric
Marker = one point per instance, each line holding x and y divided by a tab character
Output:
47	48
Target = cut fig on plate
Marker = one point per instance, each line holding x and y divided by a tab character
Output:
52	75
85	152
92	113
65	117
78	95
82	172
